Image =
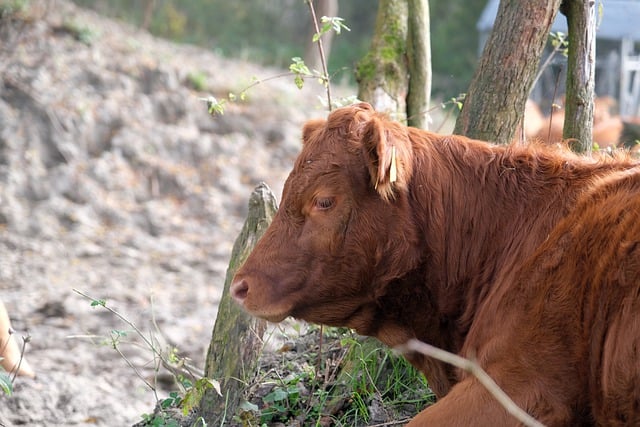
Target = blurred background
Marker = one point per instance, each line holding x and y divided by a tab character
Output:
273	32
116	182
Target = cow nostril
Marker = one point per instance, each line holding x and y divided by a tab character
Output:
239	290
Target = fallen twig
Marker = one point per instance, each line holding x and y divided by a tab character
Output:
474	369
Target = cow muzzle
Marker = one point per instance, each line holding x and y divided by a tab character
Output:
239	291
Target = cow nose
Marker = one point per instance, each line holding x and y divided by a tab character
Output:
239	290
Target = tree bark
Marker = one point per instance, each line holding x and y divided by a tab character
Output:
237	337
495	101
578	120
419	64
382	75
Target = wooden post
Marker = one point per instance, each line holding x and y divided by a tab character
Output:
236	341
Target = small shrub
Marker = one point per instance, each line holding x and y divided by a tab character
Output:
12	7
198	81
82	33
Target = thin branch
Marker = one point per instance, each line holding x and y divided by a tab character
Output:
114	344
25	340
275	76
392	423
124	319
184	368
546	63
474	369
323	59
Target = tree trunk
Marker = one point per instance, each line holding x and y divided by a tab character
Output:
419	62
149	6
578	120
237	337
495	101
382	75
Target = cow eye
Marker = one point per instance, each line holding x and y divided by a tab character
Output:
324	203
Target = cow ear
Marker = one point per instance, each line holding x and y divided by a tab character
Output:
310	128
388	154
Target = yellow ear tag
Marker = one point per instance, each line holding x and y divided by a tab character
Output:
393	172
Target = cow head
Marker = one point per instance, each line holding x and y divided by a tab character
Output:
343	231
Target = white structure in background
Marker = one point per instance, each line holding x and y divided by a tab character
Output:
617	54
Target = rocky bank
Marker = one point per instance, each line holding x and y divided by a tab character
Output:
115	182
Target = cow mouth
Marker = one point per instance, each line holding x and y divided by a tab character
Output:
269	316
241	293
273	318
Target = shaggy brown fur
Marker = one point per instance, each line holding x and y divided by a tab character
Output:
524	257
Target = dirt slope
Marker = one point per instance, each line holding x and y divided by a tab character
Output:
114	181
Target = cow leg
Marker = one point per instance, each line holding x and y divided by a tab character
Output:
467	404
616	400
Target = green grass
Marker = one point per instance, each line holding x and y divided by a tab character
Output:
344	382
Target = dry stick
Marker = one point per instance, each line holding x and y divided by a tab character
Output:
266	79
25	340
146	340
546	63
475	370
391	423
184	367
114	343
16	368
553	103
121	317
320	342
323	59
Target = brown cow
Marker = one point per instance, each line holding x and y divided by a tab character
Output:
526	258
607	127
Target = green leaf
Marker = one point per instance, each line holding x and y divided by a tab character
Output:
214	106
299	67
5	383
325	28
248	406
205	383
278	395
334	23
97	302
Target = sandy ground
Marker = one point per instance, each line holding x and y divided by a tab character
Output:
115	182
